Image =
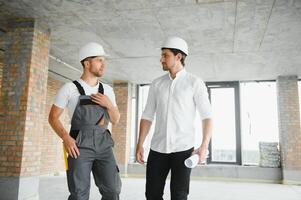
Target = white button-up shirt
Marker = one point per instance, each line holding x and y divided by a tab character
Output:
175	102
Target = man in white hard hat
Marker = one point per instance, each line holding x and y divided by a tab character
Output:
92	106
174	99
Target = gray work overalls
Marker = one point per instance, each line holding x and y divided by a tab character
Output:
89	128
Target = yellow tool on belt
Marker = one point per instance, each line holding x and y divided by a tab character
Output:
65	157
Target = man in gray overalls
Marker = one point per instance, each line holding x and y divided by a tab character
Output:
91	105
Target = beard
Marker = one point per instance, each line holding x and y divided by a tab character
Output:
98	73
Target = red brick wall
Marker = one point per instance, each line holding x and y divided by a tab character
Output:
121	132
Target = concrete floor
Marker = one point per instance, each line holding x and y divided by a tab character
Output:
55	188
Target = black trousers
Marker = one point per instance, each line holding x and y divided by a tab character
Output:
158	167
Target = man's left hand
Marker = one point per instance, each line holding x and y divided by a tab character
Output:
101	100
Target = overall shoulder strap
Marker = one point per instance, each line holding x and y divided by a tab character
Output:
79	87
100	88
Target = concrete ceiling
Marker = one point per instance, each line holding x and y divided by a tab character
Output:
228	40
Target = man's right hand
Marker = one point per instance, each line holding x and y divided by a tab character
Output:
55	123
140	154
70	146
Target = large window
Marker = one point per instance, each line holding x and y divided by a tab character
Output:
259	118
225	143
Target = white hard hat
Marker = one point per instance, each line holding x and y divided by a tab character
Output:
91	49
176	43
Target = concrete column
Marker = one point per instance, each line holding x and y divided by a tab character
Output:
121	132
22	108
289	128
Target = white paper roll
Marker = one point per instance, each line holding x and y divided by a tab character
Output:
192	161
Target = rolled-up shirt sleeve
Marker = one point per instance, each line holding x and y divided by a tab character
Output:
62	96
202	100
150	107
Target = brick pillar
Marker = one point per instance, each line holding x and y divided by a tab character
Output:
22	108
289	128
121	132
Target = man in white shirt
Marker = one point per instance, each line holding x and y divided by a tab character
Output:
91	105
174	99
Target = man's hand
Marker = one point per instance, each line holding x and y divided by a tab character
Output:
140	154
102	100
55	123
70	146
202	152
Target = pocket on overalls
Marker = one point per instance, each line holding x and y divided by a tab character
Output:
110	136
85	139
78	138
118	180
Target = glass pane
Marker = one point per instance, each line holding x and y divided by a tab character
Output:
224	133
133	124
259	119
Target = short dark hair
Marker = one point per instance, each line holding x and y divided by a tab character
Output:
82	62
176	52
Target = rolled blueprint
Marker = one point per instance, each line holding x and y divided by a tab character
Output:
192	161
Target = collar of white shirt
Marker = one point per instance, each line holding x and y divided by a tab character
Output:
180	73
